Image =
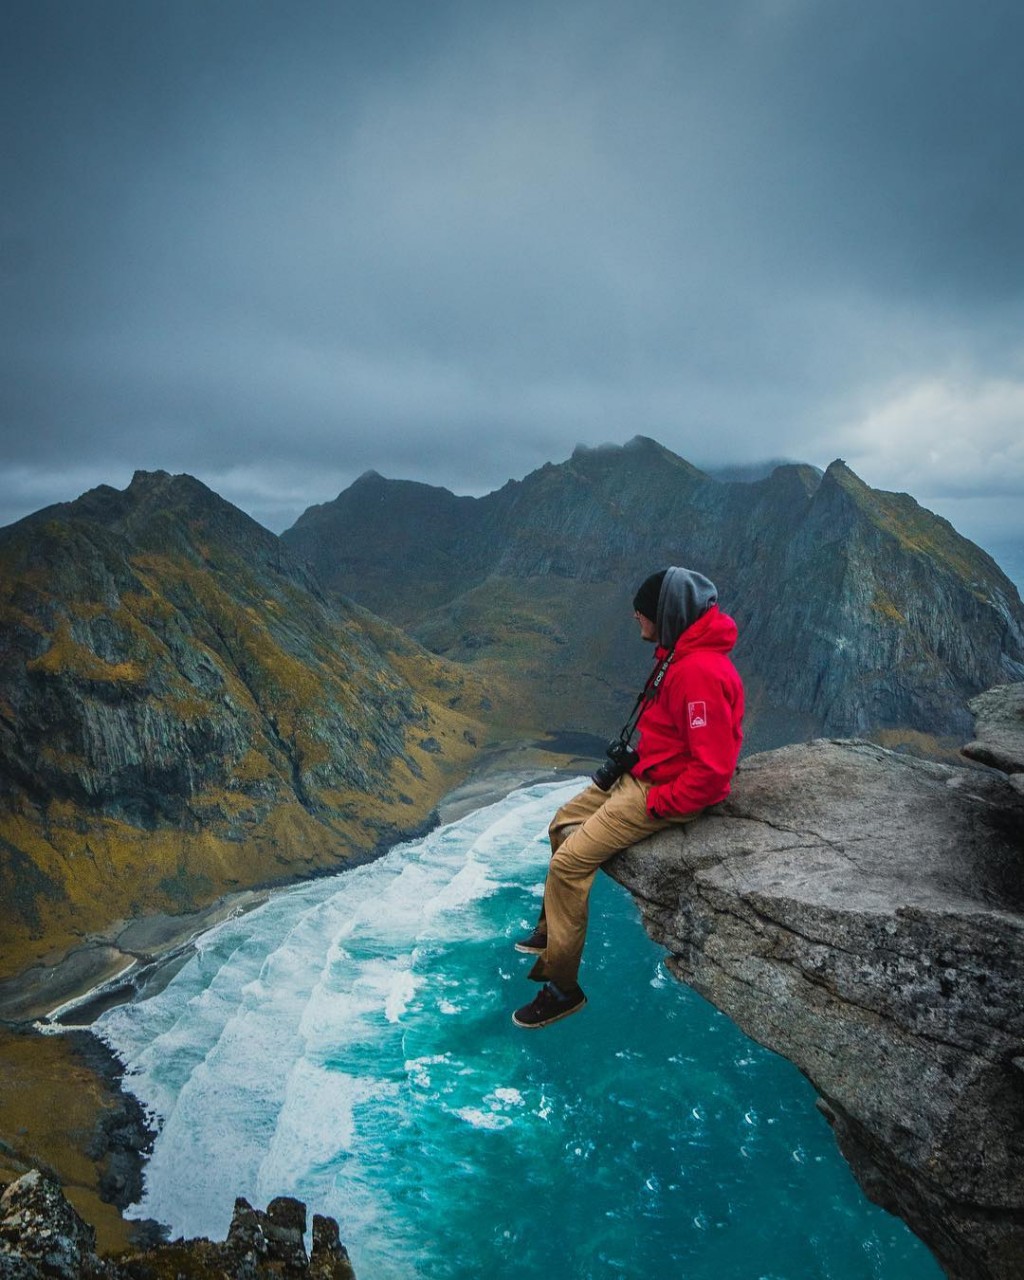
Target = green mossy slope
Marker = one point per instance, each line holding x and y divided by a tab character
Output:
184	711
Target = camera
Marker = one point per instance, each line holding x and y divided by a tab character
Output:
621	758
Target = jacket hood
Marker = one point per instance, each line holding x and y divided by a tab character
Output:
685	597
713	630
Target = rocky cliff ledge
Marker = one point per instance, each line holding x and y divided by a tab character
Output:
862	913
41	1235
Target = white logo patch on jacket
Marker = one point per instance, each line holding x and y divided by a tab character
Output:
698	715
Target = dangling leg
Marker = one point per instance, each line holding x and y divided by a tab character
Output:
619	820
571	815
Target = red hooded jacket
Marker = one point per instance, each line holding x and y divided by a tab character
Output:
690	734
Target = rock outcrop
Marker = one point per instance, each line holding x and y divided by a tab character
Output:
41	1237
999	732
859	611
862	913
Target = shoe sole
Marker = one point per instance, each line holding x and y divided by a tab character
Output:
527	950
535	1026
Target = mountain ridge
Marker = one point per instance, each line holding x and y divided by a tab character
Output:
860	612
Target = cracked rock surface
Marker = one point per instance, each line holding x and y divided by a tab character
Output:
862	913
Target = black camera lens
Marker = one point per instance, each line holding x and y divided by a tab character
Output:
621	758
605	776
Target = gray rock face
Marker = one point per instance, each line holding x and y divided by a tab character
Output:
152	639
185	712
860	912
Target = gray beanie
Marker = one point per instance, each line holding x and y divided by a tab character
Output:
685	596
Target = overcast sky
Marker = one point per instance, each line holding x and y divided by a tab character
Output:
276	244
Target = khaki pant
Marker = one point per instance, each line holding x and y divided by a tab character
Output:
585	833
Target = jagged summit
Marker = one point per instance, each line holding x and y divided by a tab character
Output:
157	513
639	451
801	477
639	444
149	495
915	530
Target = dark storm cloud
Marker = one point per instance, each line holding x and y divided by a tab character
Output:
275	245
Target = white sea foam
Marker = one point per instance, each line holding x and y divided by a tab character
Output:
316	1123
483	1119
403	988
266	1059
506	1097
416	1068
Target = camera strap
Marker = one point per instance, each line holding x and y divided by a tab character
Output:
647	694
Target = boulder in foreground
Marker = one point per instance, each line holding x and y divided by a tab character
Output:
41	1235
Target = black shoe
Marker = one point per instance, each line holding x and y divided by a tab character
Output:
534	944
548	1006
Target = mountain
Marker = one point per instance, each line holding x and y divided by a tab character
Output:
184	710
187	706
747	473
859	611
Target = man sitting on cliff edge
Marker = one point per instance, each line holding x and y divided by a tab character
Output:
689	731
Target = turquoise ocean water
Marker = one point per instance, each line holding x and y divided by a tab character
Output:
350	1043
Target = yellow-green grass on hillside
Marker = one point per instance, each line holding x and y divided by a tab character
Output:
553	654
102	869
919	531
338	734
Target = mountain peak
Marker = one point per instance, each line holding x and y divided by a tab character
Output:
646	444
638	444
640	451
181	485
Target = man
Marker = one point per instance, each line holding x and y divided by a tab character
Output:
689	733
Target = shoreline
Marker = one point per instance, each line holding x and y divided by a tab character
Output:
124	957
134	959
